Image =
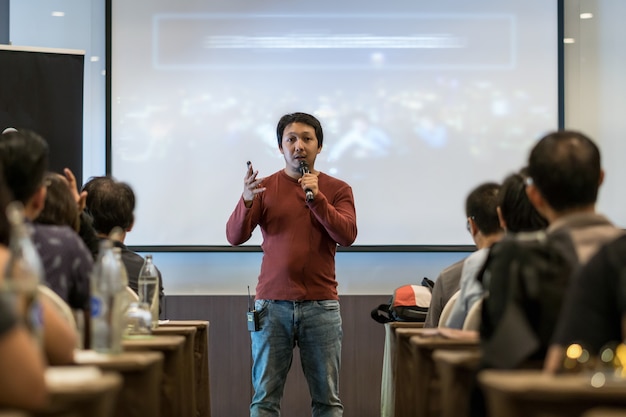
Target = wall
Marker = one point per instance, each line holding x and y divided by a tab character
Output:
595	88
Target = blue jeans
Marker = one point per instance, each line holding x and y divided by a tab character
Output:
316	327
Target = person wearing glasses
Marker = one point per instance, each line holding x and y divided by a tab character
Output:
483	223
481	202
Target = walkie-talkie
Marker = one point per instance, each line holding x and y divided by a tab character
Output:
252	315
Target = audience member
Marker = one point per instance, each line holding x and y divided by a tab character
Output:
60	208
112	204
65	206
565	174
24	159
516	215
446	285
67	260
484	226
22	364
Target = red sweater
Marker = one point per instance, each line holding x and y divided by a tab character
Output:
299	238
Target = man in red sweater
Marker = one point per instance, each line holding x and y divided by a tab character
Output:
303	215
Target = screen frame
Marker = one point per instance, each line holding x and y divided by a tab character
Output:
354	248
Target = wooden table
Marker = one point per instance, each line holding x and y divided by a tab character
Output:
142	374
14	413
188	400
605	412
426	396
174	372
390	354
416	382
79	391
533	393
457	371
201	362
404	373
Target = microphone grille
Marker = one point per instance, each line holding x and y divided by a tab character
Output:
304	167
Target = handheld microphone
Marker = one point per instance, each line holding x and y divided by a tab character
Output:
304	169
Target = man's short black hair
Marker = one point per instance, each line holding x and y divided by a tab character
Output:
24	157
565	167
111	204
481	206
304	118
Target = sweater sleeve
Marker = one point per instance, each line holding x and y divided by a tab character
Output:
242	222
337	217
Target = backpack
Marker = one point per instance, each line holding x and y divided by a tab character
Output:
408	303
525	279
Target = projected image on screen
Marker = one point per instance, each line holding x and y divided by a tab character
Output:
419	103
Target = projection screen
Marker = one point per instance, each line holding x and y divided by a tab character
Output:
419	101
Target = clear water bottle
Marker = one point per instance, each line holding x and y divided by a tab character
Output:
125	302
138	319
148	282
24	271
123	273
107	301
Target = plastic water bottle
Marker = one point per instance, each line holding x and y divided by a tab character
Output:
123	273
148	282
24	271
137	320
107	301
125	302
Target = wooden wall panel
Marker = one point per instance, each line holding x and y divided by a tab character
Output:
230	362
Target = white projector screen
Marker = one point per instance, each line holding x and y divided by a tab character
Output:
419	101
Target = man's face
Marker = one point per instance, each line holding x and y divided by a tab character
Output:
299	143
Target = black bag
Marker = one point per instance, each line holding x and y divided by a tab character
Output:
408	303
525	279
